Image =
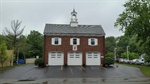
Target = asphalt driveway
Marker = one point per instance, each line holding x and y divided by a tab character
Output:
33	73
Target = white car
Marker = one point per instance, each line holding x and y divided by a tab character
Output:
126	61
120	60
137	61
140	61
133	61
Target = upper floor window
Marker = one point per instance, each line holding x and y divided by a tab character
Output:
74	41
92	41
56	41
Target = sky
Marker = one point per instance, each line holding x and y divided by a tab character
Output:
34	14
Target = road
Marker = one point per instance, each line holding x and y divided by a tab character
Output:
73	74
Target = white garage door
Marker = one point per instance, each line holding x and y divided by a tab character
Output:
92	58
74	58
56	58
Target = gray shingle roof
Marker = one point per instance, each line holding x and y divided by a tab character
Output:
81	30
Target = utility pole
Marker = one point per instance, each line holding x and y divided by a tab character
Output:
128	52
115	53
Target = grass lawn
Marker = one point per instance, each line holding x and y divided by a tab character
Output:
144	69
9	67
5	68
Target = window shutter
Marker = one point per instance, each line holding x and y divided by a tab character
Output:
78	41
52	41
89	41
71	41
59	41
96	42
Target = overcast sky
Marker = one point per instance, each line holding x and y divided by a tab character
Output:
34	14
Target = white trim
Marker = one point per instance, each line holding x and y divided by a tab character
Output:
59	41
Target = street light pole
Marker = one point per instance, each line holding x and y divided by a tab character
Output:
127	52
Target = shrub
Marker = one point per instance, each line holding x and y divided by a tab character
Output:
108	61
39	62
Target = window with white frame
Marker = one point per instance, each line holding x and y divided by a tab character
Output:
92	41
74	41
56	41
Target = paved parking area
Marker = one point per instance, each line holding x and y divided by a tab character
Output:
67	75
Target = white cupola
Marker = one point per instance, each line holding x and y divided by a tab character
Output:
74	20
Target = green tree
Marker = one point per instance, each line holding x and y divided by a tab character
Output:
3	54
2	39
110	54
122	43
135	20
133	55
12	36
25	47
124	55
147	58
110	43
35	39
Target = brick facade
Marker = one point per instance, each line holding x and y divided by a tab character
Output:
65	47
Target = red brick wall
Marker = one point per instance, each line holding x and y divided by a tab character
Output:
65	47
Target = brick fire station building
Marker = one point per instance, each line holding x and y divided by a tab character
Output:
74	44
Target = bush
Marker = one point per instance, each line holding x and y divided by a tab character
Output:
39	62
108	61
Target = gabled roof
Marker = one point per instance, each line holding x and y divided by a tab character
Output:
81	30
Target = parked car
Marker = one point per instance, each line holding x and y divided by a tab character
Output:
133	61
137	61
126	61
120	60
140	61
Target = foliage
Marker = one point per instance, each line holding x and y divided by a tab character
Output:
2	39
24	50
123	55
12	36
132	55
110	54
108	61
122	43
3	54
135	21
110	43
39	62
147	58
35	39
